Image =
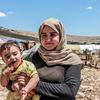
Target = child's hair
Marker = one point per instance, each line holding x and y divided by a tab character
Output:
7	45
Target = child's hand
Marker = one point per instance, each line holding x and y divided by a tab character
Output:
4	79
8	70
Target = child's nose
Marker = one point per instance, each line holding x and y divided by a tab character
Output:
12	57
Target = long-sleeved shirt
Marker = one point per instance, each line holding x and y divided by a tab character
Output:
67	85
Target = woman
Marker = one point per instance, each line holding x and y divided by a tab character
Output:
59	68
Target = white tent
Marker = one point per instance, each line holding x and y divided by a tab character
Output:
1	41
89	47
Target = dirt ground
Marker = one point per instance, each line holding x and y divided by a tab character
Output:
89	88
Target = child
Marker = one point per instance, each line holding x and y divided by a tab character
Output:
11	55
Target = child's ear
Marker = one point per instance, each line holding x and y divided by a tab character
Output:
2	59
21	52
22	58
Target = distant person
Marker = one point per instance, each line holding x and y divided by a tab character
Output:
95	59
11	55
58	67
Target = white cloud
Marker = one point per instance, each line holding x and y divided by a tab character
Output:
89	8
2	14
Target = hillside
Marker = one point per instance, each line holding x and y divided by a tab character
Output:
83	39
18	34
27	35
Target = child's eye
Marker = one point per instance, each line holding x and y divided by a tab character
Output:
7	57
15	53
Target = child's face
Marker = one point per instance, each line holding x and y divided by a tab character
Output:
12	55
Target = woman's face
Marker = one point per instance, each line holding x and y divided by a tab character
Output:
49	38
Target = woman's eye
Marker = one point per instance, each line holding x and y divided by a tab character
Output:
53	34
43	36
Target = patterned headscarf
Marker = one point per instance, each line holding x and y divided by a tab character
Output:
61	55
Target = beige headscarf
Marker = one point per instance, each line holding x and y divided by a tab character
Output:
61	55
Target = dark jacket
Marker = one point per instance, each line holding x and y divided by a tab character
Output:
63	83
57	82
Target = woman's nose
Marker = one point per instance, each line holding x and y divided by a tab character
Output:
48	38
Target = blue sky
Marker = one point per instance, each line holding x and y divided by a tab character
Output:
79	17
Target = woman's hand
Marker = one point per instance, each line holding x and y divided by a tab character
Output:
23	94
22	79
31	94
15	86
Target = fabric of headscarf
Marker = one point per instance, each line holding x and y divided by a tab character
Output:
61	55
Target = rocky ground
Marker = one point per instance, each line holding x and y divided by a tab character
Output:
89	88
90	85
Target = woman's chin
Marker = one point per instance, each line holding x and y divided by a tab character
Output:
49	49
